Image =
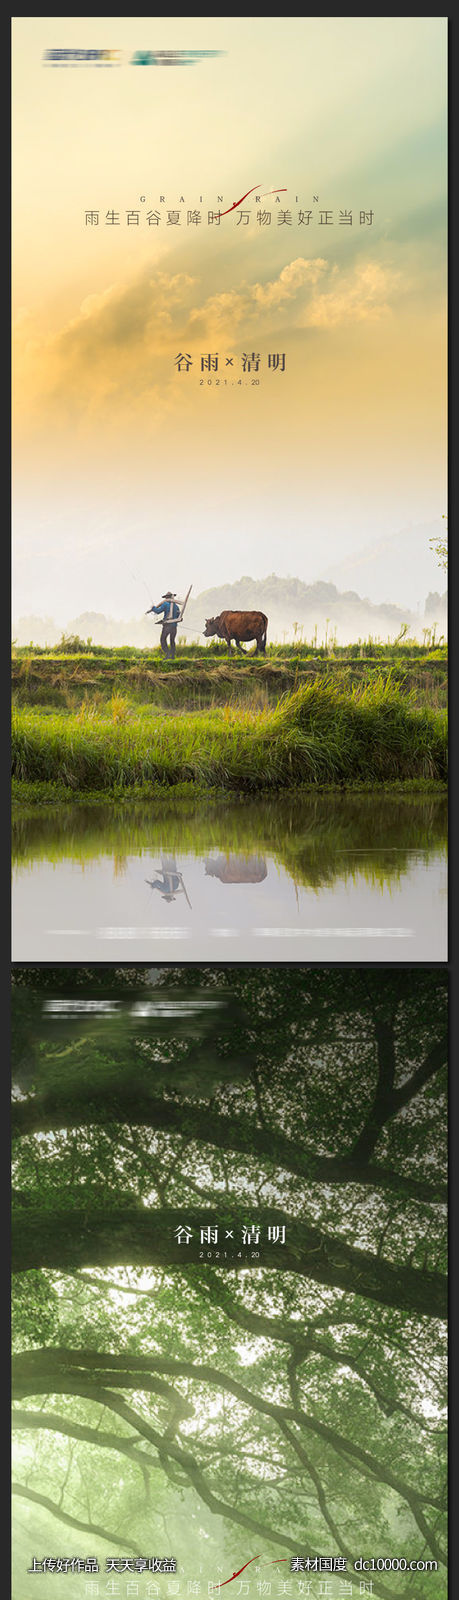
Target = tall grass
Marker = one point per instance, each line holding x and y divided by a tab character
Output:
203	680
315	735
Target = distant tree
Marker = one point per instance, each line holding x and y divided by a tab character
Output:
73	644
434	602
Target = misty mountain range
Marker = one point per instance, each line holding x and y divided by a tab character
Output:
294	610
403	565
394	580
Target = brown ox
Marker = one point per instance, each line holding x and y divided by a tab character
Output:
240	626
236	869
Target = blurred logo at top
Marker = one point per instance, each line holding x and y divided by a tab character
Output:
116	58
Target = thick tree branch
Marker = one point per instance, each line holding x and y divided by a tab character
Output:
380	1110
388	1101
436	1058
168	1449
75	1238
274	1328
45	1114
73	1522
309	1344
68	1371
52	1422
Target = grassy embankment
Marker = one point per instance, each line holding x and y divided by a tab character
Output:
318	734
205	677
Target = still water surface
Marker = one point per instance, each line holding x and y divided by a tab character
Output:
336	878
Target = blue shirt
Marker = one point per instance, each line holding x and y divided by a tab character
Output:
170	608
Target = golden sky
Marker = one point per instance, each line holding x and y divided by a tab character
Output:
112	443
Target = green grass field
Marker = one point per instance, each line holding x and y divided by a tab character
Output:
317	734
206	677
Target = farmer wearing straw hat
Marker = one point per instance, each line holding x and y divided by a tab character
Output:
171	611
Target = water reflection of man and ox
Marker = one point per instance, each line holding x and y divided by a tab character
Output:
170	882
340	866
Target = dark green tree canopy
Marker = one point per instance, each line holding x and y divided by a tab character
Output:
295	1390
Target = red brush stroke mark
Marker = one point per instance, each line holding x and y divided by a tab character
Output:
226	213
252	1558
